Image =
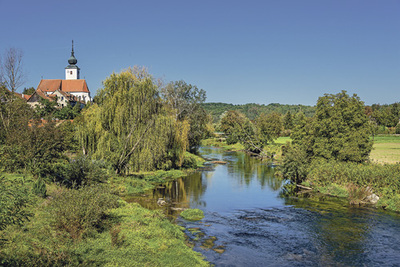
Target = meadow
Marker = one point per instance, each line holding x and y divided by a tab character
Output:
386	149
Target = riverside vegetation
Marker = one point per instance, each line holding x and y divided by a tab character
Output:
329	151
62	183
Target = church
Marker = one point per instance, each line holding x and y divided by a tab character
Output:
71	90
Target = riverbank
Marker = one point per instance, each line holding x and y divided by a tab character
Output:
352	181
92	226
141	182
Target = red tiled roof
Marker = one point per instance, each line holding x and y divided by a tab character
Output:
74	86
43	95
64	85
49	85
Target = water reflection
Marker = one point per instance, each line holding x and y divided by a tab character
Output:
249	225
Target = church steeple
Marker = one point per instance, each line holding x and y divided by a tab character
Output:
72	71
72	60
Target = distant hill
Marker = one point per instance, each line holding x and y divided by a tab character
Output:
253	110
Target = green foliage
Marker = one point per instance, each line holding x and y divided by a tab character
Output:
67	232
339	130
28	91
83	171
68	112
185	100
81	212
252	111
288	120
130	127
189	162
192	214
269	127
146	238
383	179
397	130
385	115
14	114
295	164
46	108
14	200
39	187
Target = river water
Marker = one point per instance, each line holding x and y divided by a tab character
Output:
247	223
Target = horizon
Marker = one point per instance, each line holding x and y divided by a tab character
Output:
255	52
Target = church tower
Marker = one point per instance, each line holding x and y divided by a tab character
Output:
72	71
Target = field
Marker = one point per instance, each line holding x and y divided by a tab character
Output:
386	149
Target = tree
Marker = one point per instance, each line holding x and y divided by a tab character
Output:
238	128
288	121
269	126
339	130
129	126
29	91
14	113
12	73
185	100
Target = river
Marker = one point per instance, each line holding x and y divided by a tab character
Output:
247	223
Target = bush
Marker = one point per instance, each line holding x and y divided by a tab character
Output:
189	162
397	129
14	199
295	164
78	212
83	171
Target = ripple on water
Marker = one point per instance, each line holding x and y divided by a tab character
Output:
291	236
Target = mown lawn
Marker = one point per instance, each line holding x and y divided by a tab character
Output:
386	149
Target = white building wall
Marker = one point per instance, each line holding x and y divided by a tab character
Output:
82	96
71	74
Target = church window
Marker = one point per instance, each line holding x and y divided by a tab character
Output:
70	72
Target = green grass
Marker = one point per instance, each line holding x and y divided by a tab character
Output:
126	235
192	214
385	138
386	149
283	140
220	142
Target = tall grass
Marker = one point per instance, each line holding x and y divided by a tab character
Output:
383	179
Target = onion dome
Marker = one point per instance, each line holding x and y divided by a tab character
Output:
72	60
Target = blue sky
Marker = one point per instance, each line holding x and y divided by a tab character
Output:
289	51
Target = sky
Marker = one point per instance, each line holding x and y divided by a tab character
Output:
270	51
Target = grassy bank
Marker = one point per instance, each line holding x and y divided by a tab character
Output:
90	226
356	181
220	142
137	183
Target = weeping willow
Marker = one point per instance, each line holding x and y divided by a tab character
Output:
130	127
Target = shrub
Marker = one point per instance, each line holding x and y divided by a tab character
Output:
83	171
14	199
295	164
189	162
79	212
397	129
